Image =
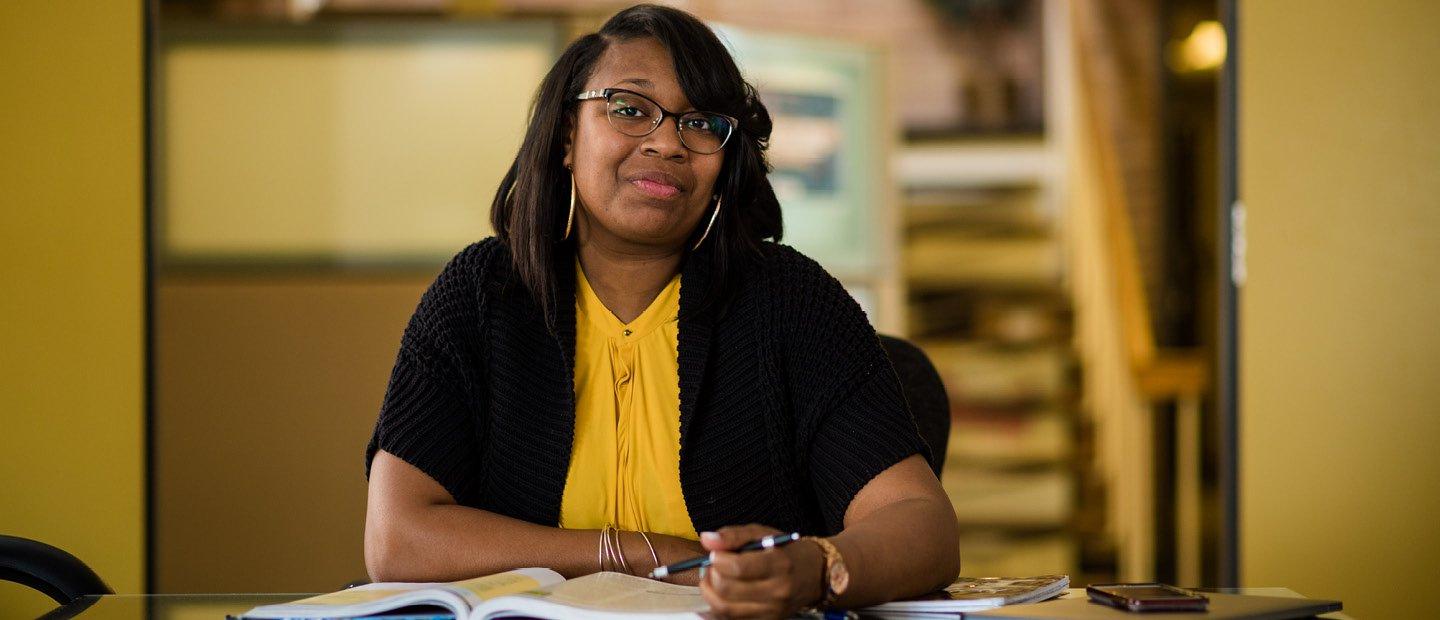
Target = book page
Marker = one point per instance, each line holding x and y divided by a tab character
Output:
458	597
364	601
618	592
479	589
363	594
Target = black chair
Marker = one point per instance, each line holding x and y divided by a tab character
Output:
58	574
925	393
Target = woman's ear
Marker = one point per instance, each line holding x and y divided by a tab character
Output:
569	159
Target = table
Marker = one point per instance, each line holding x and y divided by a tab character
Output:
216	606
1280	592
167	606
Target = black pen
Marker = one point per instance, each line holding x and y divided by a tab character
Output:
767	542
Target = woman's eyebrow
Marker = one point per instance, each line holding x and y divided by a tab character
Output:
644	83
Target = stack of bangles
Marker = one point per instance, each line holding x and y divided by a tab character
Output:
612	554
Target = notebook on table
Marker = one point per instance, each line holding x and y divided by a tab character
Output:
971	594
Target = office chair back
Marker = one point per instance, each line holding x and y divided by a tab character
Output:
925	393
54	572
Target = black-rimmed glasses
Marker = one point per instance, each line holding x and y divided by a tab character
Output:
634	114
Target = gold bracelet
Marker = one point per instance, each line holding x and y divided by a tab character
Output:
600	551
653	555
609	549
613	550
607	552
620	552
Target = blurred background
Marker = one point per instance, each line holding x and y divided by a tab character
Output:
1175	260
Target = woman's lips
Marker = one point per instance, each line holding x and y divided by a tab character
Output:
655	189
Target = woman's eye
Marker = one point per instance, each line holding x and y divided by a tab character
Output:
630	111
698	124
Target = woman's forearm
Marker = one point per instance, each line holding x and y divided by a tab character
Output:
448	542
452	542
414	531
905	548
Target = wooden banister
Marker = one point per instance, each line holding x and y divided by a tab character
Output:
1179	376
1160	375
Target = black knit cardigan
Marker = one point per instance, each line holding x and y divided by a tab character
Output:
788	404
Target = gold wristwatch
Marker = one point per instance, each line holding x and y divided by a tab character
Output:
835	576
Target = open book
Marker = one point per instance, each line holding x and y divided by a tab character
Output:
527	592
972	594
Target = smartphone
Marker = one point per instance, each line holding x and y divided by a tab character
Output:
1146	597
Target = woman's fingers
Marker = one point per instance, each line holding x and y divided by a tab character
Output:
733	597
751	565
726	608
768	590
747	584
733	536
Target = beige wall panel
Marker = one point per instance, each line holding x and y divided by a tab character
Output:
369	142
267	389
1340	351
72	287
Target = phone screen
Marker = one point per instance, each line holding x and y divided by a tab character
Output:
1144	592
1146	597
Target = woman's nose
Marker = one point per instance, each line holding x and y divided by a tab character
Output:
665	141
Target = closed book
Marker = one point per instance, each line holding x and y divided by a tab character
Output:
969	594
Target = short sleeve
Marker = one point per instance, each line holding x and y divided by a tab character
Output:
864	433
428	418
852	421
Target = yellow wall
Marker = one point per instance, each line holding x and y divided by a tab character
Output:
1340	359
71	286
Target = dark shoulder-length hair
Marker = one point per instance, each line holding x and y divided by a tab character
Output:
531	204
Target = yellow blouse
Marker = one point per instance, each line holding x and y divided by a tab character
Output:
625	464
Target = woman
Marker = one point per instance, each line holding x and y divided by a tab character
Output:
628	352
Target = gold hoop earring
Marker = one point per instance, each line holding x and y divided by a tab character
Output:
707	226
570	219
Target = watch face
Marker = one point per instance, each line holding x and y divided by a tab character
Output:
839	578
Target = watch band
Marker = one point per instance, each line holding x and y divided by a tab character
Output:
833	561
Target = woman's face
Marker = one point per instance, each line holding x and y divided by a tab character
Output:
637	192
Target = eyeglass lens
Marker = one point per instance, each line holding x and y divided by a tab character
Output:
634	115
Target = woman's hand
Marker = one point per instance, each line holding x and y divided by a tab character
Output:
772	583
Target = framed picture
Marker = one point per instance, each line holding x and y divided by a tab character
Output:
828	148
